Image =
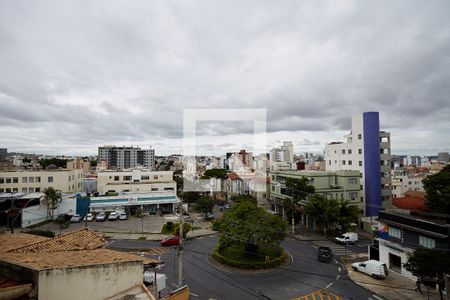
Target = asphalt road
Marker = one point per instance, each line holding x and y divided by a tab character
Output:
303	276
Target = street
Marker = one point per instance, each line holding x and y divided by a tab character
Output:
303	276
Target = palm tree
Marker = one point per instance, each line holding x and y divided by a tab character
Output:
52	199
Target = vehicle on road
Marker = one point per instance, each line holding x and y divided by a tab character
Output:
324	254
63	218
371	267
89	217
76	218
123	216
173	240
101	216
209	216
113	216
347	238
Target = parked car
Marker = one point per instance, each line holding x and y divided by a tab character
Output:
227	206
63	218
101	216
324	254
347	238
123	216
171	241
89	217
371	267
113	216
209	216
76	218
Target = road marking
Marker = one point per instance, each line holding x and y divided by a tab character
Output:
376	297
337	277
339	268
336	261
330	284
315	247
192	294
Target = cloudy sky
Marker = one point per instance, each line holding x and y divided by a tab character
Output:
78	74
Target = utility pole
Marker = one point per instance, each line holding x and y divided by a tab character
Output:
86	210
180	250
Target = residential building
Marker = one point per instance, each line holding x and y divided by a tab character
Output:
135	181
400	233
413	160
127	157
79	163
402	183
248	184
67	181
3	152
443	157
241	161
282	158
70	266
342	184
367	150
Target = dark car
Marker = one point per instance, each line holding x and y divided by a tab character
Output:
63	218
324	254
171	241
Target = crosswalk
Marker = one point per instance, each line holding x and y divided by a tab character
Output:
338	250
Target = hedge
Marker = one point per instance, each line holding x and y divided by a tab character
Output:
248	265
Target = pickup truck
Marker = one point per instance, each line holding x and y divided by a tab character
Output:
324	254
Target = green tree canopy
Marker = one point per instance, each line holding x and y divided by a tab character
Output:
324	211
246	223
298	189
52	199
348	213
59	163
191	197
204	204
437	187
243	198
215	173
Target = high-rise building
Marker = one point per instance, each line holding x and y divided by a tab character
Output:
443	157
127	157
282	158
3	152
367	150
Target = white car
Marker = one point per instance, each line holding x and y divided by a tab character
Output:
100	217
89	217
371	267
123	216
75	218
113	216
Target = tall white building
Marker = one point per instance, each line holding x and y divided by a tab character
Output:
127	157
282	158
367	150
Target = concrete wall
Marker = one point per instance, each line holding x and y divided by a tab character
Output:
38	213
93	282
384	258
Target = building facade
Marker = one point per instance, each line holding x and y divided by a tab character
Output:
367	150
402	183
67	181
79	163
344	184
127	157
282	158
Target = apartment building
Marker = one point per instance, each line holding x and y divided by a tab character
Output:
79	163
367	150
282	158
402	183
136	180
67	181
241	161
127	157
341	184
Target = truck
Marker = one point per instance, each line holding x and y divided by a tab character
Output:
347	238
324	254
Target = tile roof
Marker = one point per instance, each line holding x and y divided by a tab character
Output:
9	242
67	259
81	239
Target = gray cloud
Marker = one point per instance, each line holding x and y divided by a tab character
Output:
78	74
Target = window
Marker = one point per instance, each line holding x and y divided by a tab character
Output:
2	190
343	151
2	180
24	190
37	190
426	242
50	179
395	232
329	162
360	163
31	179
154	189
359	136
126	177
8	190
349	162
359	151
38	179
24	179
116	178
145	177
311	181
352	180
155	176
353	195
343	162
15	190
15	179
70	178
349	151
168	188
8	179
30	190
273	188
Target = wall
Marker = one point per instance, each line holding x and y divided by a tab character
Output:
384	258
38	213
92	282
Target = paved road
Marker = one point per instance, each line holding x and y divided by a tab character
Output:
303	276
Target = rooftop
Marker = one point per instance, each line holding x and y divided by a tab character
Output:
13	241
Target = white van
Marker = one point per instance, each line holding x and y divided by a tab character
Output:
371	267
347	238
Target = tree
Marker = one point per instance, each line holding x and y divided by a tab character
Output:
348	213
191	197
186	228
52	198
243	198
26	160
429	265
204	204
251	225
298	189
324	211
437	187
215	173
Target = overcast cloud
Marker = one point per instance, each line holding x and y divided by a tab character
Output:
78	74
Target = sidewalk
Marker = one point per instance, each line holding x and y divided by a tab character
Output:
393	287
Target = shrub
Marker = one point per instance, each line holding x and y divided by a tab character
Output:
249	263
216	224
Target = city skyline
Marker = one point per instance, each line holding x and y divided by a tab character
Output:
75	77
